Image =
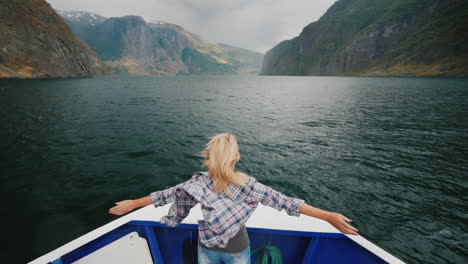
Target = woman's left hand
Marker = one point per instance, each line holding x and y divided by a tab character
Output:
340	222
123	207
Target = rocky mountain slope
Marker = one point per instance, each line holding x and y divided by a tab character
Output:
132	46
36	43
378	38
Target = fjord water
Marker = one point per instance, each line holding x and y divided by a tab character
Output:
390	153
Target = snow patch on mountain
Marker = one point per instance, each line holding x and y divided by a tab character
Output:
82	17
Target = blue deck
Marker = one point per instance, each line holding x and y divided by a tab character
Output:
167	243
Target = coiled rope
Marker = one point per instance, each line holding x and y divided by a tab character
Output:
268	255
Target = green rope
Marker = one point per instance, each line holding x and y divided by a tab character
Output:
268	255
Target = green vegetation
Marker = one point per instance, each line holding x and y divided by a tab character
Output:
242	57
198	62
159	48
36	43
378	37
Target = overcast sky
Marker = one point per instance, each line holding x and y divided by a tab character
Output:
254	24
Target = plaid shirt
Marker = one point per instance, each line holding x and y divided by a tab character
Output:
223	215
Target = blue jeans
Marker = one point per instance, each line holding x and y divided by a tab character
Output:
206	256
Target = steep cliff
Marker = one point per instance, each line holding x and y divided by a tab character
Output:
378	38
132	46
36	43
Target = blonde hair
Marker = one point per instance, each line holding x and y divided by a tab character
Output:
221	155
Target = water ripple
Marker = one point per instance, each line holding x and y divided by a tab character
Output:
388	152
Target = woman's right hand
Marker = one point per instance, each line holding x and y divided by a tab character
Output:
123	207
340	222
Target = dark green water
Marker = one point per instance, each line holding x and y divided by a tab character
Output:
390	153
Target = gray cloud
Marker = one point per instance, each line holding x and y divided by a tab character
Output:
254	24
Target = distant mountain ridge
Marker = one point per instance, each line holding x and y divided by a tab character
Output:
378	38
36	43
130	45
84	18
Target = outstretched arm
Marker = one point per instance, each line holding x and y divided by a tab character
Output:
337	220
158	198
294	207
126	206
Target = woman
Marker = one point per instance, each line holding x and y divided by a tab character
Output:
228	198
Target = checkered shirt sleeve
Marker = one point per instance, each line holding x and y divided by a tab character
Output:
270	197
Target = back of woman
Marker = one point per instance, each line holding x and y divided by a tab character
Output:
228	198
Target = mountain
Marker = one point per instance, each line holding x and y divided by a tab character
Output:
129	45
82	18
36	43
378	38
